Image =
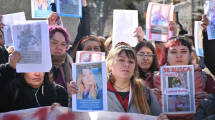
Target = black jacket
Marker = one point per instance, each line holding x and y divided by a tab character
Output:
209	52
83	27
206	109
17	94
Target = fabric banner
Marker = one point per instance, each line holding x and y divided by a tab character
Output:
64	113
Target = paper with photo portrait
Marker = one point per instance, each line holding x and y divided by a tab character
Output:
209	10
41	8
91	80
157	21
198	39
125	23
8	20
89	56
178	91
69	8
31	40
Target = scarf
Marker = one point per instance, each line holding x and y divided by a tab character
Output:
64	64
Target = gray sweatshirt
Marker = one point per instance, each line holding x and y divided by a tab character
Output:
115	106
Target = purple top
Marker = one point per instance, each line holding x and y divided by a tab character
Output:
60	79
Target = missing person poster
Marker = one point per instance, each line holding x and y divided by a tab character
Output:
88	56
41	8
209	9
69	8
157	21
177	86
91	80
198	39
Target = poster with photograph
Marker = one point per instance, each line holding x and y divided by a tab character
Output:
69	8
31	40
9	20
41	8
88	56
157	21
125	23
198	38
209	9
177	86
91	81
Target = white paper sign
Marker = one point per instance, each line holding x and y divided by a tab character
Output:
32	41
89	56
178	91
157	21
91	80
9	20
125	23
209	9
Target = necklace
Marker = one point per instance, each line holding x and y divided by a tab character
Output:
121	88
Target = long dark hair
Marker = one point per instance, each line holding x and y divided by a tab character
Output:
155	64
79	46
48	84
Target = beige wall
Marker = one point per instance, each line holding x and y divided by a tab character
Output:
12	6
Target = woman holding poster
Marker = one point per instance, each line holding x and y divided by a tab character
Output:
126	93
88	89
178	52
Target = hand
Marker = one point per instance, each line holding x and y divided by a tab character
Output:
53	106
84	3
157	92
162	117
14	58
200	96
139	34
205	22
72	88
52	18
1	24
173	27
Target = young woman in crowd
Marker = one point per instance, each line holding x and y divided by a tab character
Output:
146	59
88	43
87	86
122	75
27	90
178	52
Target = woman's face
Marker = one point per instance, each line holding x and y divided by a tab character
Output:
34	79
58	44
92	46
193	57
145	62
178	55
178	97
123	67
88	77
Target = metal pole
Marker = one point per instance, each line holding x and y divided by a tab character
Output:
163	1
101	20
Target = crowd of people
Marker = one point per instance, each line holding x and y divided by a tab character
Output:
131	72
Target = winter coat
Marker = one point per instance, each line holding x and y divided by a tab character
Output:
209	52
206	109
114	104
19	95
199	87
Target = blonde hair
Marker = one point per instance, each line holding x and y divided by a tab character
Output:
138	88
81	87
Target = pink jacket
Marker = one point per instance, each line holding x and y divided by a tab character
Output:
199	87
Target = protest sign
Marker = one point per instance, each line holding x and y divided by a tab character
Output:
209	9
198	38
89	56
41	8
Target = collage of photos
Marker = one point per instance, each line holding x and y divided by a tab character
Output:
178	90
87	56
92	86
157	22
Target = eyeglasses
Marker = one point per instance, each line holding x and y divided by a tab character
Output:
56	43
149	56
159	42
